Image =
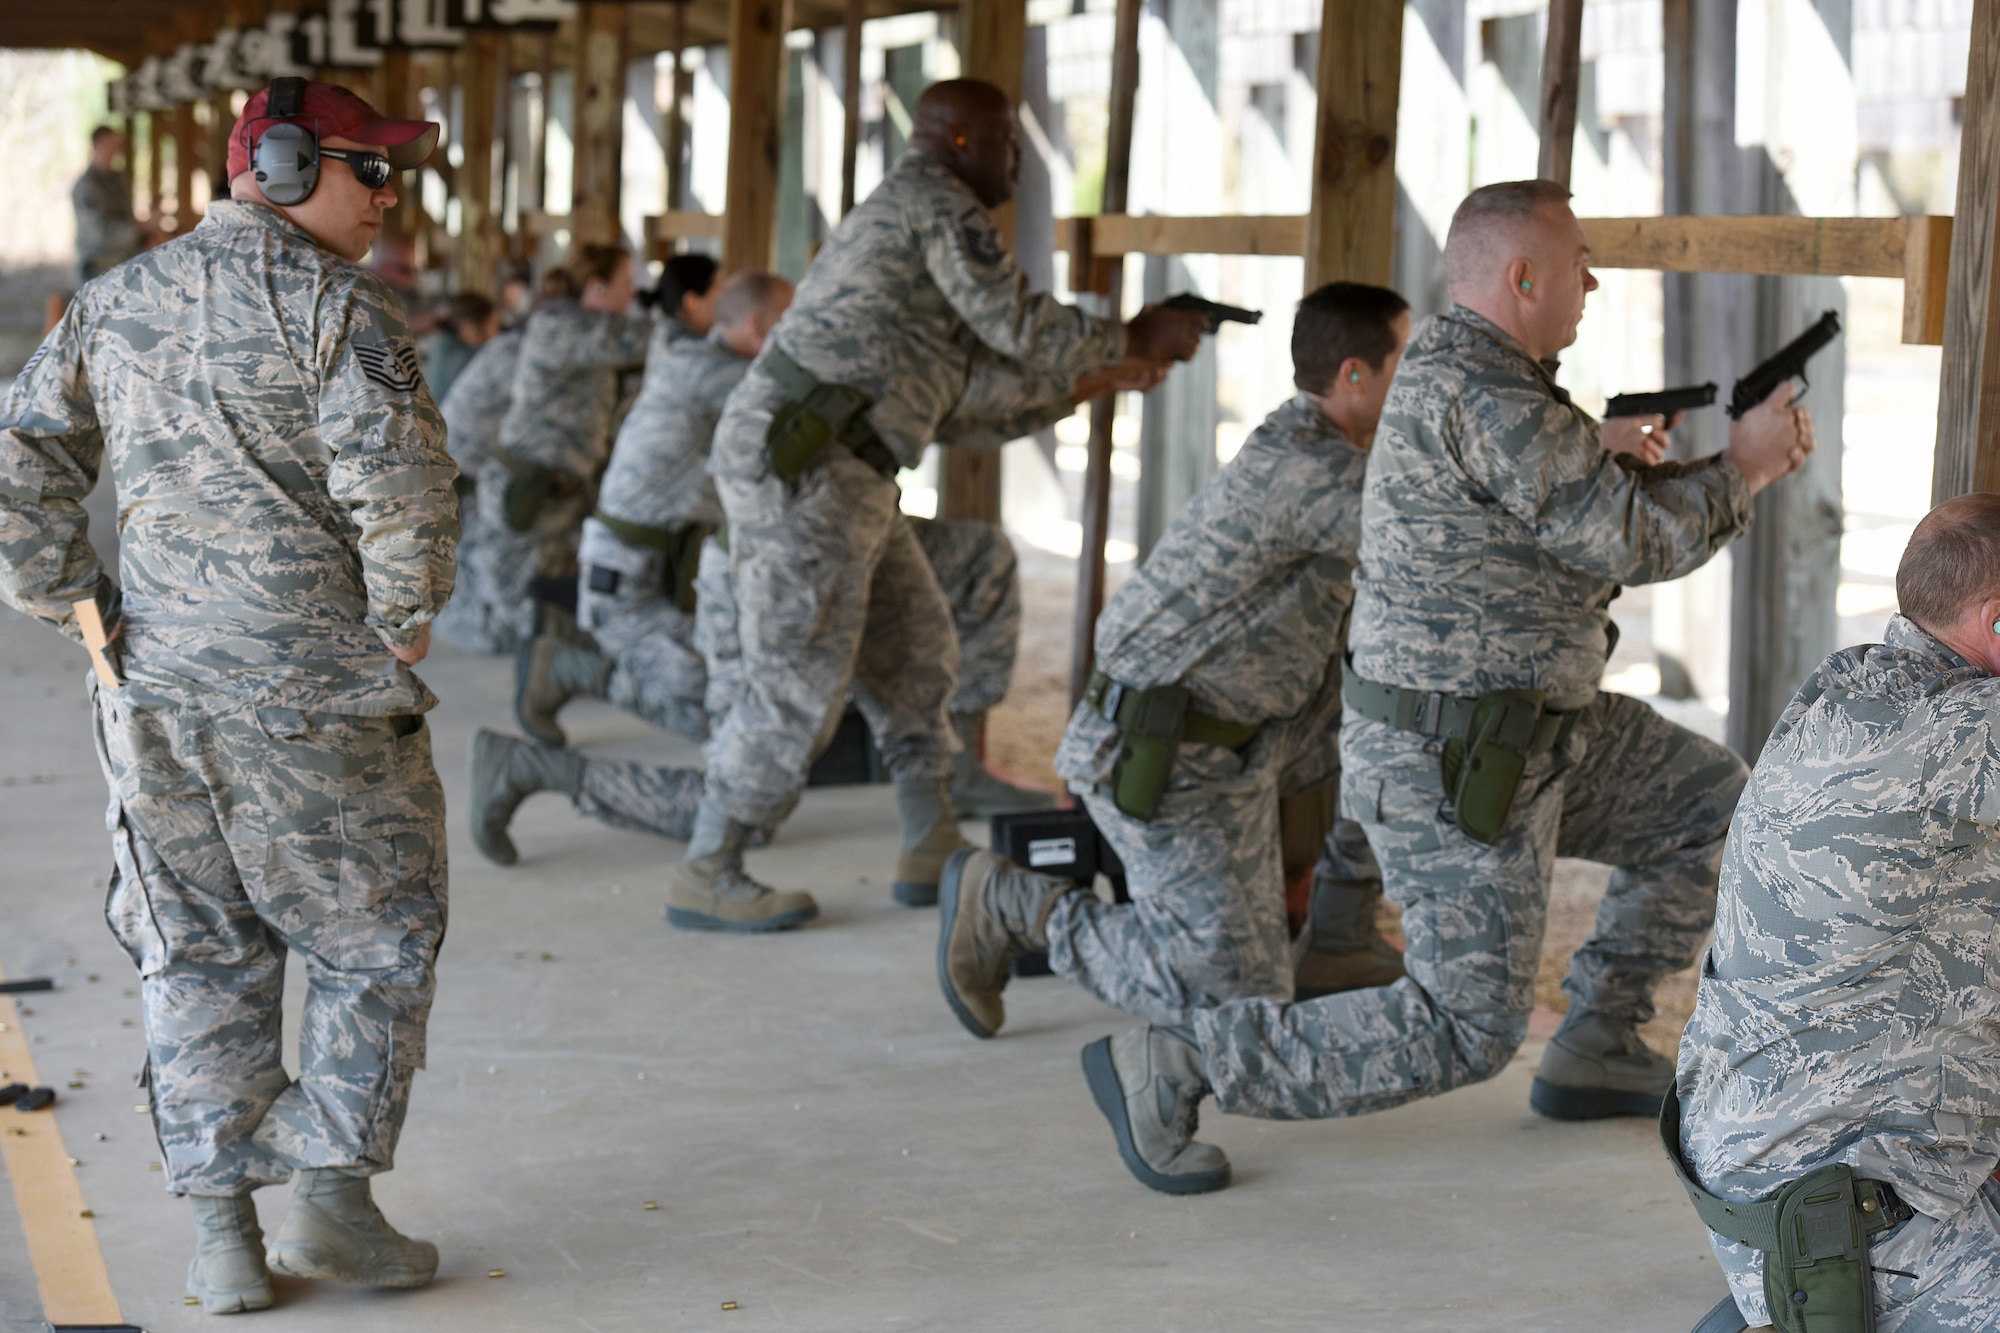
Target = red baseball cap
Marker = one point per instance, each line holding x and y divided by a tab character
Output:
338	114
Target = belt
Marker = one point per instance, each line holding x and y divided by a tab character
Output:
1756	1224
1120	703
1435	713
853	429
658	539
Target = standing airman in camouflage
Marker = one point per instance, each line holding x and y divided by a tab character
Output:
1845	1019
914	325
473	408
1234	626
287	536
106	232
540	480
1497	524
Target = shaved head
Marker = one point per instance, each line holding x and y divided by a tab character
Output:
968	125
1952	563
1494	226
751	292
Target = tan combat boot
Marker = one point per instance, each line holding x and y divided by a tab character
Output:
930	836
1598	1066
1149	1082
548	673
710	891
989	911
228	1274
335	1233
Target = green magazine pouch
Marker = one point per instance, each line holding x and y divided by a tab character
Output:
1151	731
528	489
1483	771
801	430
1819	1279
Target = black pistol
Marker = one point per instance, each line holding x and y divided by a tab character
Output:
1788	363
1214	311
1664	403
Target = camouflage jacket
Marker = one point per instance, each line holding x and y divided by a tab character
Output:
106	232
659	467
283	487
917	302
566	385
477	400
1849	1008
1245	599
1497	529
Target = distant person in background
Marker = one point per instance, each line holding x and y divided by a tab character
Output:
393	259
106	232
470	322
514	289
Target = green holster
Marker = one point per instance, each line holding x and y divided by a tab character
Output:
1488	738
817	415
1152	726
679	545
1813	1234
529	487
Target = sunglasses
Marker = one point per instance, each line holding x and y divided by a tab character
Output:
371	169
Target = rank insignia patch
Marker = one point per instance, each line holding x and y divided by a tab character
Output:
394	368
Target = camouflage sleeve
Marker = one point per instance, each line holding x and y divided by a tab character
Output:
50	450
390	467
1003	401
976	272
1542	462
1313	509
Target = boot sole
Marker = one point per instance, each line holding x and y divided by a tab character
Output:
316	1263
1557	1102
1109	1094
947	901
235	1302
912	894
688	919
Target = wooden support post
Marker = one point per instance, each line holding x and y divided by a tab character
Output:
480	63
1561	73
1351	231
221	120
397	93
187	148
155	192
538	173
756	119
1968	429
601	43
994	42
676	134
1104	411
850	100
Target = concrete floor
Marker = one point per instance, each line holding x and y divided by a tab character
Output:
827	1148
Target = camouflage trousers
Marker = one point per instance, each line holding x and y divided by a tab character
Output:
981	580
832	592
1627	788
645	798
1207	922
1931	1274
240	834
491	610
656	671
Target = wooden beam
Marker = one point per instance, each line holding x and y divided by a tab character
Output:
993	37
756	120
1561	75
1104	411
481	65
850	100
1828	247
599	82
1109	235
1968	429
676	132
680	224
1926	278
1351	231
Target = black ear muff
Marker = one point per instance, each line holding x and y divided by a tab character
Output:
287	163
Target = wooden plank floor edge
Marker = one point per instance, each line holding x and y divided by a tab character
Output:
62	1241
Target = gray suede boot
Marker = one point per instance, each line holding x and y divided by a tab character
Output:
930	836
1598	1066
975	792
548	673
710	891
335	1233
1341	949
989	911
503	772
1149	1082
228	1274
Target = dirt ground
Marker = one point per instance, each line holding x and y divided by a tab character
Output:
1023	732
